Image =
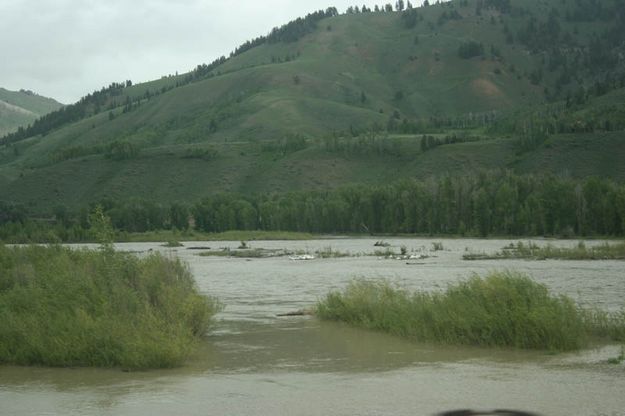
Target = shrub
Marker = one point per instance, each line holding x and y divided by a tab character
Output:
62	307
502	309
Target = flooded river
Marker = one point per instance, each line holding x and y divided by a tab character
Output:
255	363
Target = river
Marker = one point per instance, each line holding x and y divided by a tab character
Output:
254	363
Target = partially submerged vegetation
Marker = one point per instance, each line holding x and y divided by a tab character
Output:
501	309
332	253
391	254
437	246
248	252
64	307
404	254
532	251
173	244
327	252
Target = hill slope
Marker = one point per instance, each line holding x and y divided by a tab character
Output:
20	108
342	99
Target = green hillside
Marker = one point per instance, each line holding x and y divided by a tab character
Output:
20	108
369	97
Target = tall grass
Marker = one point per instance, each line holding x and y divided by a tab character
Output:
63	307
331	253
501	309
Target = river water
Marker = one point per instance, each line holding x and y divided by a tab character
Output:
255	363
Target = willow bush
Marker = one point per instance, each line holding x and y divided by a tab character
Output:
501	309
64	307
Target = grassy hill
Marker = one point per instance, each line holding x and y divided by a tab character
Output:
348	99
20	108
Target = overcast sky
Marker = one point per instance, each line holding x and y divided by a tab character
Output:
65	49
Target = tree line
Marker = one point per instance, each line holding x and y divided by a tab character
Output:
479	204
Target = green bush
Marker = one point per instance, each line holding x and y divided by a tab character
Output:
502	309
64	307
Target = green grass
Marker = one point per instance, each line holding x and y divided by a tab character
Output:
63	307
502	309
29	101
532	251
332	253
581	155
22	108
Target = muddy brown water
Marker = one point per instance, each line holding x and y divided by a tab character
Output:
255	363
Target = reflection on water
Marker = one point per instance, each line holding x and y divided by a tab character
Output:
254	363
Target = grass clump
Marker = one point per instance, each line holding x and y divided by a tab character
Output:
437	246
386	253
331	253
532	251
62	307
173	244
501	309
246	252
602	324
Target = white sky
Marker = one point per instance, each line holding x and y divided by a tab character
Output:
65	49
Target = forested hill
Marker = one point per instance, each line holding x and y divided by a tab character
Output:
368	96
21	108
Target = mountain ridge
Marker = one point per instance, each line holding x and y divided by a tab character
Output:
358	98
20	108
